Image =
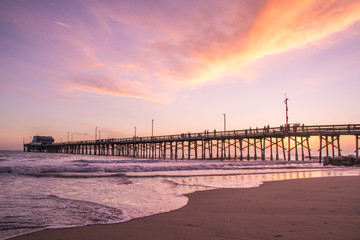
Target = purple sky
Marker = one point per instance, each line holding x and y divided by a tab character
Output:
71	66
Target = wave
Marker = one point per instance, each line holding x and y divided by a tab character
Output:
87	212
196	167
193	161
97	168
117	161
51	211
219	173
63	172
26	170
79	175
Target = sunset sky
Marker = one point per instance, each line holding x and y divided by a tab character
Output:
71	66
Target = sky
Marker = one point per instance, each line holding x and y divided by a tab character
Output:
69	67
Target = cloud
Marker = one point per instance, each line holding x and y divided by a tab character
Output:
193	42
285	25
277	26
107	86
152	49
62	24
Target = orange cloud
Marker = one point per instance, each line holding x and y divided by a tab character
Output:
278	26
285	25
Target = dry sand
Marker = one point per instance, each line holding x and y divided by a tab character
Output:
320	208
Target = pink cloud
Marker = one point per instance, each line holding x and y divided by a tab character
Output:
62	24
150	50
107	86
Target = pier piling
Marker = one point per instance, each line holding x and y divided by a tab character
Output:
236	144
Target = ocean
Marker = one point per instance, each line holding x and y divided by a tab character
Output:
50	190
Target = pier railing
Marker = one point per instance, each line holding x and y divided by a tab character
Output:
292	129
230	143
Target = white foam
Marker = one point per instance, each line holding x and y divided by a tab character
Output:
136	187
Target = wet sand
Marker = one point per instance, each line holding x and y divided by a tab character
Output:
319	208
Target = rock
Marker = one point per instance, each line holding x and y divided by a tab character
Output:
342	161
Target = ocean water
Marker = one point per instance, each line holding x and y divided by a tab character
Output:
48	190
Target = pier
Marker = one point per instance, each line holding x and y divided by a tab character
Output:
289	142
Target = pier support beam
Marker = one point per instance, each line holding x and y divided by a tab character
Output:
330	141
296	142
357	138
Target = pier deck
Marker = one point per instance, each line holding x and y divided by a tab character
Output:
287	142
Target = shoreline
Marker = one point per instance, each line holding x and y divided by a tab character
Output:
323	208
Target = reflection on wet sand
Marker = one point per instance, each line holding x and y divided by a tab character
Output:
191	184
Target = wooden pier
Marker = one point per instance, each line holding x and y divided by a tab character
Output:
288	142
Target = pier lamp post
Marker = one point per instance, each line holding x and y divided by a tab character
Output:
135	131
224	122
95	132
287	110
152	127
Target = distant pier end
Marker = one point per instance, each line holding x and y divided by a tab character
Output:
290	141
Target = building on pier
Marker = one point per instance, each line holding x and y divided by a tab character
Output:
41	140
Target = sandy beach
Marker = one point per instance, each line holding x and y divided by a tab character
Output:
318	208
